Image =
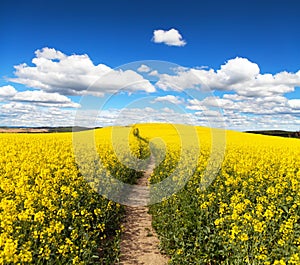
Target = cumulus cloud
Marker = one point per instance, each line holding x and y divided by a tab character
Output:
248	99
179	82
116	81
231	119
50	53
144	68
22	114
294	103
169	98
249	110
53	71
7	91
196	104
147	114
153	73
46	99
170	37
237	70
36	97
238	75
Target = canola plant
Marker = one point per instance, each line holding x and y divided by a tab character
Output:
229	198
250	214
49	212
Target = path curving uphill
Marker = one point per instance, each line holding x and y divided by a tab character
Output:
140	244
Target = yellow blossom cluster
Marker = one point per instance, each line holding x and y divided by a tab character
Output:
49	211
233	205
250	214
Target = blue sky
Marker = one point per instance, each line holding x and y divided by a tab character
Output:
256	43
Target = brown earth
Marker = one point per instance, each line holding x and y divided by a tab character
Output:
140	244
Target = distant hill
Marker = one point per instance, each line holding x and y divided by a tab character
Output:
280	133
44	129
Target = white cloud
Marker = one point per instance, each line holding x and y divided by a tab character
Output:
179	82
168	110
195	104
129	116
237	70
153	73
169	98
144	68
170	37
21	114
294	103
36	97
238	75
50	53
43	98
115	81
250	113
240	121
7	91
54	71
209	113
255	100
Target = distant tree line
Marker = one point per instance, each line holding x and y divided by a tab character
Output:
281	133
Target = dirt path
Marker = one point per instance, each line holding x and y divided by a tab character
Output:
139	243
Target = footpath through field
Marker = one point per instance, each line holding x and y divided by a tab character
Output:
140	244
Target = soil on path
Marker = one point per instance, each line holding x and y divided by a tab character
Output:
140	244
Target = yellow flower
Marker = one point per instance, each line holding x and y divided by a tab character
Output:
244	237
9	250
294	259
279	262
59	227
39	217
179	251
